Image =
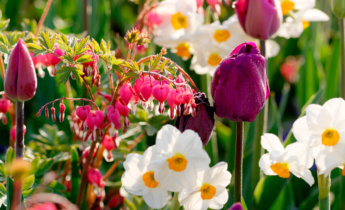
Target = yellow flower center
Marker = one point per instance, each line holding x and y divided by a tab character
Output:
221	35
207	191
287	6
182	50
214	59
179	21
306	24
281	169
177	162
330	137
149	179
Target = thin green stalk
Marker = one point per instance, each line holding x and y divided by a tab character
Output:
17	193
238	162
260	129
324	183
175	204
342	58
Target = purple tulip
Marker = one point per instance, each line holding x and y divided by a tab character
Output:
236	206
259	18
202	123
239	86
20	80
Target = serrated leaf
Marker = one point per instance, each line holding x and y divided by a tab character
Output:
28	182
84	58
64	39
27	193
129	74
4	24
9	155
34	46
52	42
135	65
81	45
77	74
95	45
3	49
2	189
163	64
2	168
3	39
103	46
156	61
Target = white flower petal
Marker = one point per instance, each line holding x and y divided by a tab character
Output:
219	175
271	142
314	15
221	197
156	197
265	164
302	172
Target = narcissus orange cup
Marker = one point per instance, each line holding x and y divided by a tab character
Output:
20	80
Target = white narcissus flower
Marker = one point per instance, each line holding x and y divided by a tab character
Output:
140	179
295	158
301	13
209	191
212	42
329	160
323	127
177	157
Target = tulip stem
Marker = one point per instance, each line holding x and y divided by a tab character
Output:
17	193
238	162
324	189
84	175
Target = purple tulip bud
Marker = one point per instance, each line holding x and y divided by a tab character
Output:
202	123
259	18
239	86
236	206
20	80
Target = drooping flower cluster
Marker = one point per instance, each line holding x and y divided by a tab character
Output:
320	136
49	60
177	163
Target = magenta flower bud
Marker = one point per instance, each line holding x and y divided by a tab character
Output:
236	206
62	112
5	105
259	18
53	114
202	123
239	86
20	81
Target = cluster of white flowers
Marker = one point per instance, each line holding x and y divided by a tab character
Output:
320	136
297	16
177	163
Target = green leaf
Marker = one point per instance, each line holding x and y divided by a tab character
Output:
81	45
103	46
9	155
44	166
75	180
4	24
2	168
2	189
27	193
57	186
156	61
95	45
28	182
84	58
9	191
34	46
77	74
130	204
3	49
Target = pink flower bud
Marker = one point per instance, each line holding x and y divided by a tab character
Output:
171	102
20	80
62	112
126	93
83	111
5	104
259	18
95	119
146	90
289	70
46	110
108	143
123	109
53	114
153	18
239	86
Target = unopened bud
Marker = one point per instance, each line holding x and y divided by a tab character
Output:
53	113
62	112
338	8
47	112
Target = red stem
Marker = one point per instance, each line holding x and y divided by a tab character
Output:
43	17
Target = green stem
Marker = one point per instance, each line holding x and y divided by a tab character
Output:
17	193
84	175
238	162
324	183
260	129
175	204
342	58
214	142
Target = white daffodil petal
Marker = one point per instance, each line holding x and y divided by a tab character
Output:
265	163
156	197
166	137
193	202
315	15
221	197
219	174
302	172
271	142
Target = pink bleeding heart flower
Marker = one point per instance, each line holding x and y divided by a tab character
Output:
180	79
113	116
5	105
108	97
52	60
160	93
94	176
94	119
126	93
146	90
20	80
108	143
124	111
87	151
83	111
171	102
